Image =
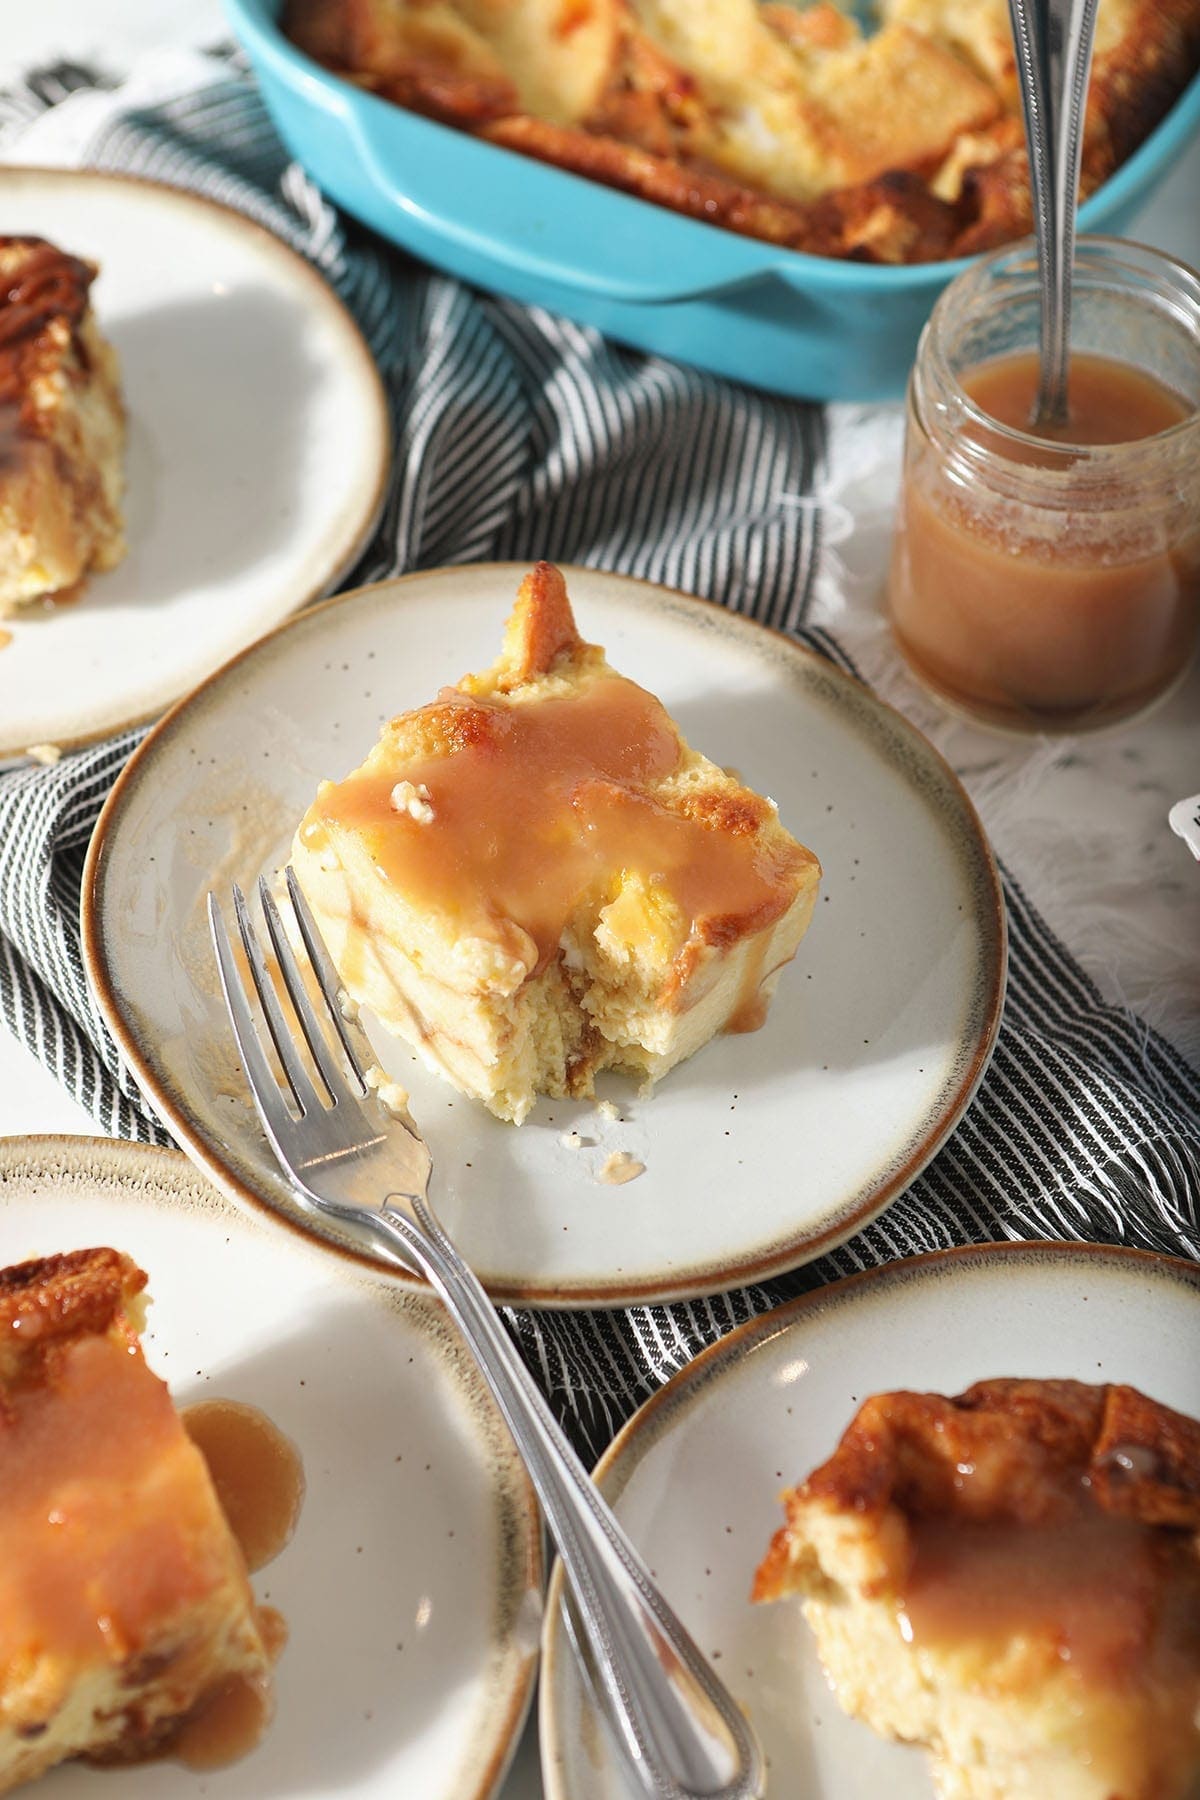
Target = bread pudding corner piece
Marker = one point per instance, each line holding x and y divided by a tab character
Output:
124	1601
62	427
534	878
1011	1578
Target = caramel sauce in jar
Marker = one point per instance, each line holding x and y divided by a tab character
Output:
1107	402
1049	578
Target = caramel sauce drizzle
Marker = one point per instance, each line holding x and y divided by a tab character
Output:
541	806
1087	1595
94	1573
1117	1598
1043	617
234	1718
1110	402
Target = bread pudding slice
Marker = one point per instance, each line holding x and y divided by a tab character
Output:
534	878
124	1602
1011	1578
62	427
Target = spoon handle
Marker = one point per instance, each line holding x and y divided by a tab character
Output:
1054	58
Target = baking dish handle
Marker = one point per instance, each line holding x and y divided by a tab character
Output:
550	224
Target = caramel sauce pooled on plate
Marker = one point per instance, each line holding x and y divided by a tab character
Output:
256	1471
1051	579
750	1009
259	1480
234	1719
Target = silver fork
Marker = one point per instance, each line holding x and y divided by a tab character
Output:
351	1159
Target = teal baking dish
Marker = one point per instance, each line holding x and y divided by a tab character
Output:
803	325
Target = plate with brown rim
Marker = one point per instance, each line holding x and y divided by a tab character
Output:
411	1587
695	1475
256	457
760	1152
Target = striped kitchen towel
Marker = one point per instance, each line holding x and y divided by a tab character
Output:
519	435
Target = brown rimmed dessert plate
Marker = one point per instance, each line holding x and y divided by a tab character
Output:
759	1152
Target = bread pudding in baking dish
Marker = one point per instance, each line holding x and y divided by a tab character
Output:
62	427
124	1602
1011	1578
782	122
535	878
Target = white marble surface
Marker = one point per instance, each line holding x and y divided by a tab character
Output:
1082	823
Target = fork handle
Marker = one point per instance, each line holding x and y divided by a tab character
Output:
684	1736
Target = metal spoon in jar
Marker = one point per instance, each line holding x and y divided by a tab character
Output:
1054	58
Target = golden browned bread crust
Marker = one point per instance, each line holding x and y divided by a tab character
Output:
774	121
82	1290
541	633
62	426
55	1299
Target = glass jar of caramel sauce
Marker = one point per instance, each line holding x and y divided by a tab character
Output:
1049	579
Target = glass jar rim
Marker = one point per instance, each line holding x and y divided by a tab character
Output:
1052	453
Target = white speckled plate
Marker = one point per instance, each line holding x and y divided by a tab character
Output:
695	1475
762	1150
258	448
412	1587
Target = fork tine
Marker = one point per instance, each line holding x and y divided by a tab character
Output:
332	1072
263	1085
322	966
299	1080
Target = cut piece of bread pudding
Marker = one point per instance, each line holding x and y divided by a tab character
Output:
62	427
535	878
124	1603
1011	1578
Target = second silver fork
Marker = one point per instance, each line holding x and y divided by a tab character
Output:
349	1158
